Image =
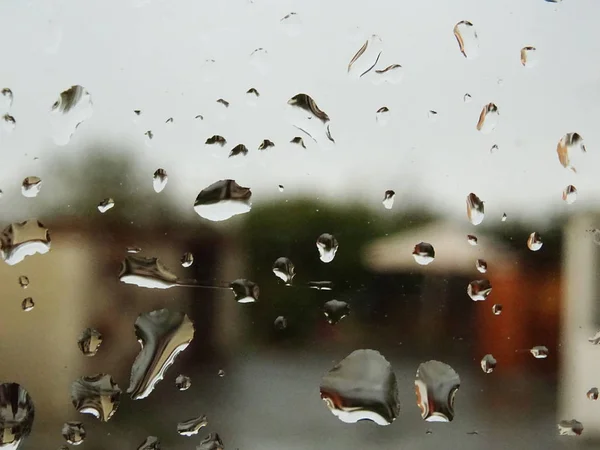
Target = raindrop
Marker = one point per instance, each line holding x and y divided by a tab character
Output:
488	119
504	217
327	245
567	147
479	290
245	291
31	186
467	98
211	442
284	268
494	148
391	74
27	304
97	395
433	115
162	334
150	443
321	285
21	239
570	427
147	272
475	209
169	121
8	123
468	43
592	394
388	199
488	363
436	385
382	117
569	194
253	93
471	239
221	373
595	339
280	323
280	187
259	59
72	108
73	432
222	200
497	309
192	426
149	134
106	204
199	116
534	242
159	180
362	387
335	310
366	57
223	102
187	259
6	99
292	24
23	281
481	265
183	382
239	149
529	57
89	341
539	352
305	110
216	139
424	253
16	415
137	112
265	144
298	140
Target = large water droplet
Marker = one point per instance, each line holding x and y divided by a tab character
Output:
27	304
497	309
183	382
74	433
266	144
245	291
16	415
472	240
211	442
388	199
89	341
162	334
366	57
159	180
569	194
539	352
436	385
192	426
567	149
216	140
335	310
150	443
479	290
327	245
391	74
309	118
424	253
146	272
475	209
291	24
592	394
23	281
9	123
187	259
72	108
6	99
362	387
481	265
106	204
503	218
22	239
31	186
97	395
223	200
488	118
534	242
382	117
570	428
284	268
298	140
529	57
280	323
239	149
488	363
468	42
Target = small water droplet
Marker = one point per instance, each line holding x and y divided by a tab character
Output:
149	134
73	432
259	59
23	281
27	304
436	385
479	290
223	102
569	194
280	323
504	217
31	186
9	123
471	239
17	414
497	309
265	144
183	382
366	57
475	209
534	242
21	239
382	116
245	291
239	149
163	335
6	99
89	341
481	265
432	115
159	180
137	112
97	395
253	93
391	74
428	431
298	140
327	245
488	118
468	42
284	269
280	187
321	285
106	204
221	373
592	394
72	108
388	199
150	443
467	98
567	149
335	310
423	253
169	121
211	442
216	139
539	352
529	57
494	148
187	259
488	363
291	24
222	200
570	427
362	387
192	426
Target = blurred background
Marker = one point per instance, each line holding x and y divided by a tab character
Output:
174	60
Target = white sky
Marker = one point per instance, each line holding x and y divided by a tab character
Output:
150	55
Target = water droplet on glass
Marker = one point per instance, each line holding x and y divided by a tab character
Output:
539	352
284	268
183	382
529	57
534	242
211	442
9	123
253	93
592	394
72	108
468	43
570	427
391	74
259	59
150	443
504	217
106	204
366	57
23	281
335	310
424	253
479	290
494	148
192	426
6	99
223	200
305	112
280	323
149	134
245	291
436	385
292	24
567	149
31	187
362	387
73	432
239	149
223	102
137	112
22	239
595	339
488	118
162	334
27	304
146	272
327	245
467	98
16	415
432	115
265	144
159	180
209	70
497	309
216	139
488	363
221	373
382	117
97	395
388	199
280	187
475	209
298	140
133	249
187	259
569	194
481	265
321	285
89	341
471	239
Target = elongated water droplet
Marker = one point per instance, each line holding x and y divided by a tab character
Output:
335	310
192	426
187	259
72	108
569	194
22	239
362	387
327	245
592	394
163	335
146	272
488	363
239	149
467	98
382	117
280	323
481	265
468	42
216	139
534	242
266	144
183	382
539	352
89	341
307	116
97	395
366	57
471	239
298	140
497	309
259	59
159	180
479	290
223	200
245	291
150	443
391	74
169	121
569	148
27	304
488	118
424	253
570	427
436	385
106	204
529	57
9	123
223	102
6	99
321	285
388	199
16	415
74	433
291	24
23	281
31	186
211	442
475	209
284	269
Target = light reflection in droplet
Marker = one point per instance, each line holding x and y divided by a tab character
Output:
191	426
479	290
31	186
468	42
74	433
423	253
488	363
534	242
436	385
327	245
16	415
284	269
97	395
475	209
89	341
